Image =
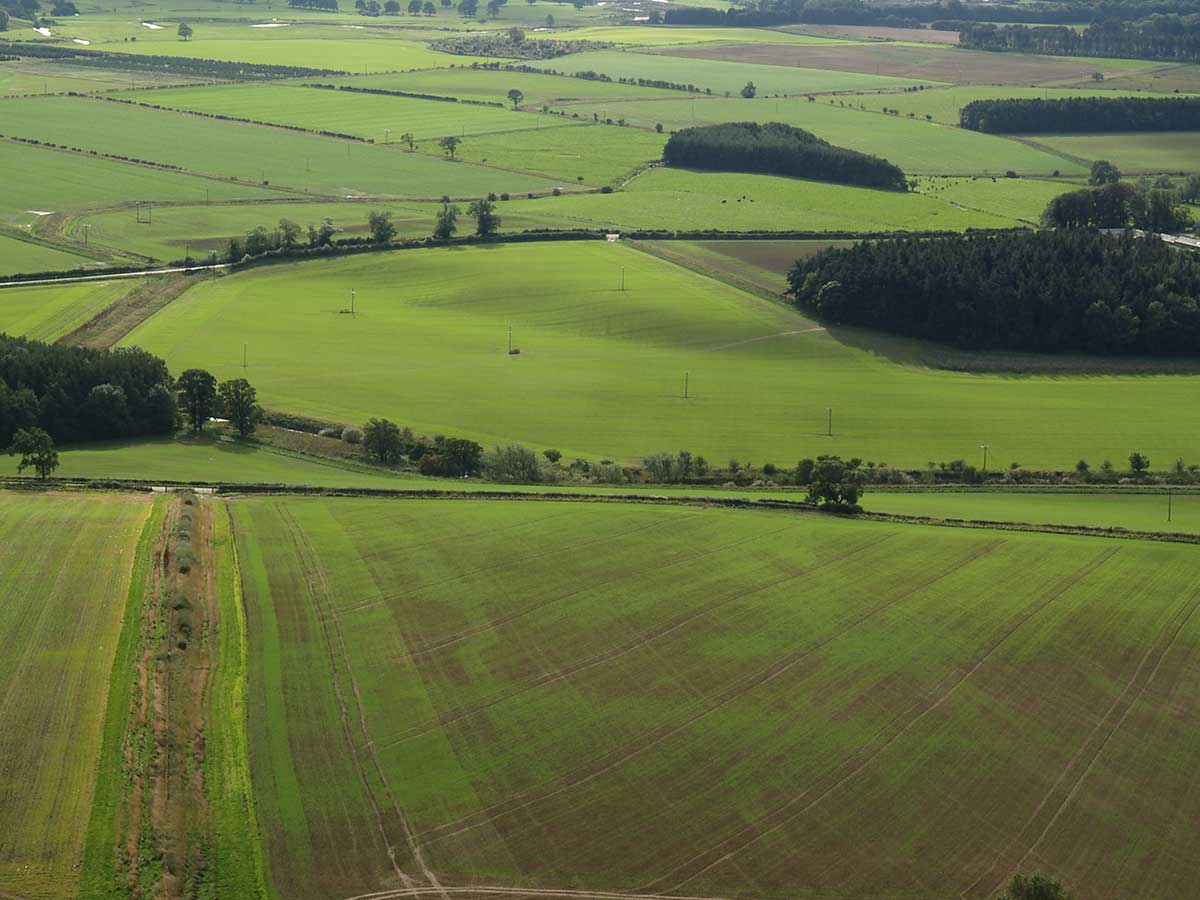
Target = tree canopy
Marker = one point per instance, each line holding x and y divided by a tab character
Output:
1081	115
778	149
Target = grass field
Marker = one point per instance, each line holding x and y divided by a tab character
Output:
1146	152
1021	199
370	116
74	181
64	567
916	146
25	256
754	265
712	702
47	312
720	76
428	349
253	152
27	76
593	154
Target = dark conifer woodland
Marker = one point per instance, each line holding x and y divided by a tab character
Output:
1045	291
778	149
1077	115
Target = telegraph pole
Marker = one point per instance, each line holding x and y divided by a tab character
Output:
244	356
685	385
829	426
622	278
984	448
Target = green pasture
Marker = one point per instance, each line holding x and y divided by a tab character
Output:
299	161
1020	199
374	117
74	181
685	200
915	145
575	712
669	35
427	349
18	256
489	85
756	265
590	154
1134	154
47	312
1163	77
30	76
719	76
64	567
1136	511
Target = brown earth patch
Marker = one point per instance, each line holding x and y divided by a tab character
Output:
949	64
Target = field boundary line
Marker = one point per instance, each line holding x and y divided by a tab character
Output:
312	563
752	833
1165	639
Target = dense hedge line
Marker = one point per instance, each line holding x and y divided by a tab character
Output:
1041	291
504	45
1077	115
1120	205
81	394
388	93
1167	38
778	149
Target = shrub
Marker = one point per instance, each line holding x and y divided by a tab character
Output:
352	435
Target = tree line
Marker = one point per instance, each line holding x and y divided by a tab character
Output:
778	149
1071	291
1079	115
1152	205
1170	38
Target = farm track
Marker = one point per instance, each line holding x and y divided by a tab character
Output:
850	767
318	590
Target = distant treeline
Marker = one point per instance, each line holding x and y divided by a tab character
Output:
759	13
1038	291
1160	209
1075	115
81	394
322	5
1162	37
778	149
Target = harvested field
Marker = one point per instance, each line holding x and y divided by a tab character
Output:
905	61
713	702
876	32
754	265
65	566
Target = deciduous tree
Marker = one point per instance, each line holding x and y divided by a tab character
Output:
197	391
36	449
239	402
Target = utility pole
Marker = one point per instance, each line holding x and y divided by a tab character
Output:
510	340
622	278
353	295
685	385
87	229
1168	504
829	426
984	448
243	356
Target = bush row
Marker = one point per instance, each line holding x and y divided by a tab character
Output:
391	93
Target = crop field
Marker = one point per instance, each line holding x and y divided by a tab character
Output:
47	312
64	569
487	85
370	116
753	265
76	181
916	146
302	162
1163	78
875	32
24	256
428	349
1134	510
27	76
666	35
711	702
720	76
1135	154
922	62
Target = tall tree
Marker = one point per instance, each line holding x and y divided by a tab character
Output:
447	221
484	214
382	440
184	31
450	143
383	229
239	401
197	391
515	97
36	450
1104	172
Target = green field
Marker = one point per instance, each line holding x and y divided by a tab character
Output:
18	256
299	161
47	312
428	349
719	76
370	116
27	76
593	154
684	200
1135	154
1133	510
1021	199
916	146
712	702
75	181
64	567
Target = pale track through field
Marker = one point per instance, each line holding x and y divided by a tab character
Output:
662	630
782	815
315	580
492	890
1157	650
648	740
766	337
